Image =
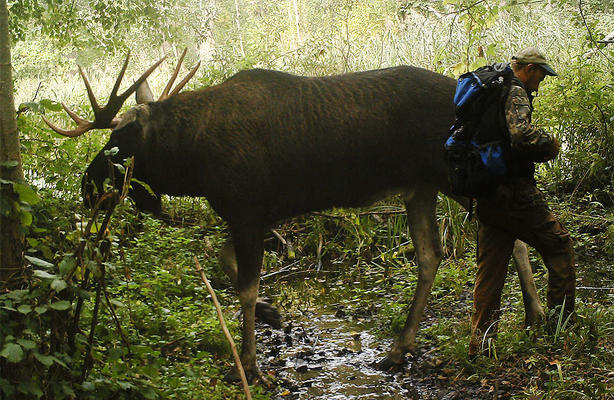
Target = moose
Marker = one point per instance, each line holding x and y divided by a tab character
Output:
265	146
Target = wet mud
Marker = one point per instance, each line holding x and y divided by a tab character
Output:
331	356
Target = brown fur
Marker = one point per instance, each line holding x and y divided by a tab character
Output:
266	145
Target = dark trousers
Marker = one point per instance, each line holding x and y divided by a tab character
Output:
517	211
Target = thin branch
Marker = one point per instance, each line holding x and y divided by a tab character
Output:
88	360
595	288
225	329
362	214
590	34
115	319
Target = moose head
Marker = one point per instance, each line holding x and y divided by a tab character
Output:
127	137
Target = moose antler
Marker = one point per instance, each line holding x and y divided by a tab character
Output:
165	93
104	117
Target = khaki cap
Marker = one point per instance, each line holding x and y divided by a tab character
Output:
532	55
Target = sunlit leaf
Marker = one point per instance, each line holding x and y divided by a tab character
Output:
24	308
51	105
43	274
38	262
58	285
26	193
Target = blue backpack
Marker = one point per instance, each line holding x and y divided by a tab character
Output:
477	147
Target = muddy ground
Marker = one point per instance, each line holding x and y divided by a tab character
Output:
328	354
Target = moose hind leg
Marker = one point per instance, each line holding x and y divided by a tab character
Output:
425	236
533	311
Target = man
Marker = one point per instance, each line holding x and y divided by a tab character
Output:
518	210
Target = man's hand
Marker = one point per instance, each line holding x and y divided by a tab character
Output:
550	152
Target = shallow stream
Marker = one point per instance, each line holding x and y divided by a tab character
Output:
330	356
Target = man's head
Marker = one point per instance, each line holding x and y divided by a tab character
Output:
531	67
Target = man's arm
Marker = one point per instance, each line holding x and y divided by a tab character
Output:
535	143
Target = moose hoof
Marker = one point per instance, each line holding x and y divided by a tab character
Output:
254	377
534	317
390	363
268	314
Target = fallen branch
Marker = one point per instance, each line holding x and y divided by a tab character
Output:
362	214
225	329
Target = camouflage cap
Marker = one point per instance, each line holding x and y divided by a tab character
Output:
532	55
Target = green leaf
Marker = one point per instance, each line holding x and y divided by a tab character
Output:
112	151
67	264
30	387
121	168
41	310
60	305
117	303
146	186
36	107
125	385
479	62
68	391
26	193
26	344
17	294
25	218
47	361
38	262
60	362
43	274
58	285
149	393
25	308
51	105
12	352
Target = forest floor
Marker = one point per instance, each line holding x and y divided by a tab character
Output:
343	281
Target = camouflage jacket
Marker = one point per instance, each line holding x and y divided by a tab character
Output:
528	143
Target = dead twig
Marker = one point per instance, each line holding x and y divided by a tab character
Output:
362	214
225	329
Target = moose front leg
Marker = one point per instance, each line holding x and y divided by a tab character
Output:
424	234
248	245
265	311
533	311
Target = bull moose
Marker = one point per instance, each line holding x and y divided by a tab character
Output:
264	146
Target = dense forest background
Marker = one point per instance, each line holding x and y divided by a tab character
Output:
118	311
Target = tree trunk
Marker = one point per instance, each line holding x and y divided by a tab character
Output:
11	238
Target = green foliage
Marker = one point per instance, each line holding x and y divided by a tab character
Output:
145	326
579	108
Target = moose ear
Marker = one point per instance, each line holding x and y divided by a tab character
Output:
143	93
138	114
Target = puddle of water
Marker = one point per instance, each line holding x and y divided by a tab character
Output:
328	357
